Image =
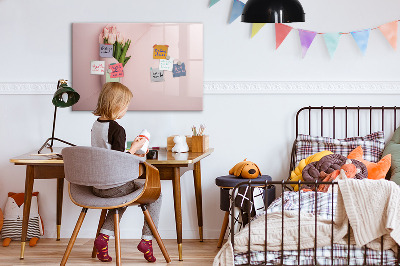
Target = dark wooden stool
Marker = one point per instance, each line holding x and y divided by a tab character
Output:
226	183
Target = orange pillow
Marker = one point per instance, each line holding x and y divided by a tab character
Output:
375	170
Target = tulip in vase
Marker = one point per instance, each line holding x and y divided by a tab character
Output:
111	36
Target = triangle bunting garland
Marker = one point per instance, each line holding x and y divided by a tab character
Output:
306	39
281	31
389	30
213	2
237	9
256	27
332	41
361	38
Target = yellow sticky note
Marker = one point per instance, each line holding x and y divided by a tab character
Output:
160	51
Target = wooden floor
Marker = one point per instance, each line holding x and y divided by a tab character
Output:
50	252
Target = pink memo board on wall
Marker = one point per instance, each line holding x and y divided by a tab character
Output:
185	44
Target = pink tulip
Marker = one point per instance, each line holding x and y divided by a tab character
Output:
113	29
111	38
120	38
105	32
101	38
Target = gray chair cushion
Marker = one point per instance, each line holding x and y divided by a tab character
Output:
99	167
84	196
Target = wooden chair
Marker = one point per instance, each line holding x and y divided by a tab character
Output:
85	167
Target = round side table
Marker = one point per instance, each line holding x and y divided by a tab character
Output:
228	182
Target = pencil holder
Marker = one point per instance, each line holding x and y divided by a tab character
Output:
200	143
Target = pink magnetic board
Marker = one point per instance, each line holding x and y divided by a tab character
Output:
185	44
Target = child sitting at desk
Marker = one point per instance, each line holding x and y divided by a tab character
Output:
106	133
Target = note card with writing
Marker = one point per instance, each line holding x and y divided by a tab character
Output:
106	50
117	70
160	51
156	75
179	70
97	67
166	64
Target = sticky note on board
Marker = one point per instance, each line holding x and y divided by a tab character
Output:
97	67
106	50
160	51
117	70
179	70
156	75
110	79
166	64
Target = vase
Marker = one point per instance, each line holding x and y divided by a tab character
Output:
107	62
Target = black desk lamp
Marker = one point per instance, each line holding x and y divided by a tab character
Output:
64	97
273	11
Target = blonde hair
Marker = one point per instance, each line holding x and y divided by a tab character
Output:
113	97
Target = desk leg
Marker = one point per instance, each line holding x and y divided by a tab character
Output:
176	182
60	190
197	189
27	206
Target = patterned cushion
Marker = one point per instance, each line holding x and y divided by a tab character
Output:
372	144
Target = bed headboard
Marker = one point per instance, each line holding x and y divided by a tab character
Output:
344	121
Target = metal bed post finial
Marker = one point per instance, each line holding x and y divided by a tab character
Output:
333	114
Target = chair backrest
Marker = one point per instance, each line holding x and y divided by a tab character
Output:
92	166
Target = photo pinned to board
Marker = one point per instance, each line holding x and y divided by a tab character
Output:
106	50
97	67
160	51
167	63
179	70
156	75
117	70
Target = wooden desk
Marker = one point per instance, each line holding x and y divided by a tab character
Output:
171	167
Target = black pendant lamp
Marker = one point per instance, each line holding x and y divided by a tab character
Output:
273	11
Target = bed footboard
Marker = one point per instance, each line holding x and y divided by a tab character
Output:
384	257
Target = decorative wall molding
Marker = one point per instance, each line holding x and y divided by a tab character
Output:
28	88
248	87
302	87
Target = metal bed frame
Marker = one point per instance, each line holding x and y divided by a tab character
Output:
283	184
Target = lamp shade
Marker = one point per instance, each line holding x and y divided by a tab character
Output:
273	11
65	96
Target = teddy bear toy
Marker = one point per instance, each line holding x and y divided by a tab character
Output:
13	215
245	169
180	144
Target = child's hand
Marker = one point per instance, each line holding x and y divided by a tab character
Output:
137	144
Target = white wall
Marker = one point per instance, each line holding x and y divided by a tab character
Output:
36	47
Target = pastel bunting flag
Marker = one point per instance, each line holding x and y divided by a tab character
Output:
361	37
389	30
237	9
306	39
281	31
213	2
256	27
332	41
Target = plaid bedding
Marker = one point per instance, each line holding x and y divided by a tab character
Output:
372	145
323	207
324	257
